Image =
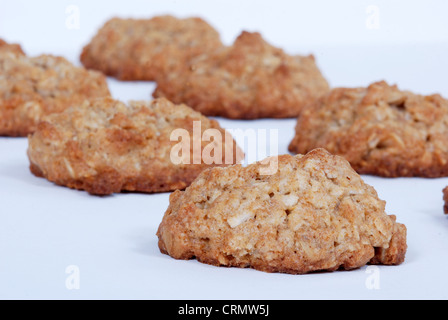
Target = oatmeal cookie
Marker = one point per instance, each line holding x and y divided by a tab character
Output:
380	130
104	146
315	213
139	49
250	79
32	87
10	47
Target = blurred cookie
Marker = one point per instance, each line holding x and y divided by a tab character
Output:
10	47
32	87
380	130
315	213
445	200
139	49
250	79
104	146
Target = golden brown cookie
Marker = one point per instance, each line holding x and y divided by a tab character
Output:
380	130
10	47
32	87
315	213
104	146
248	80
139	49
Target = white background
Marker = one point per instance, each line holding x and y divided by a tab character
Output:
44	229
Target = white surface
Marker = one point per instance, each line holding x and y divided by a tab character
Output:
45	228
310	23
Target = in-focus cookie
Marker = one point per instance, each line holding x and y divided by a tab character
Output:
248	80
139	49
315	213
380	130
10	47
104	146
32	87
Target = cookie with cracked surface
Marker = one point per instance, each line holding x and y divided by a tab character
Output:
250	79
32	87
139	49
380	130
104	146
315	213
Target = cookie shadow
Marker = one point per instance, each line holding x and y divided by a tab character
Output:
146	243
21	172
